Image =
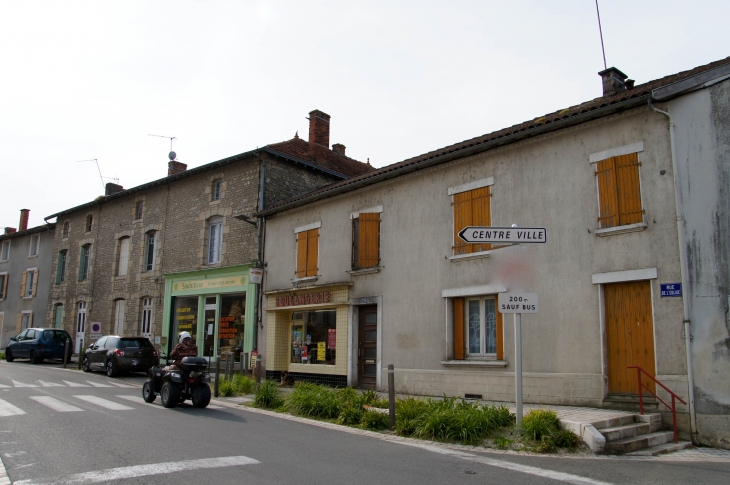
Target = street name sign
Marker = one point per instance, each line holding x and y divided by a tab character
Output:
517	302
508	235
671	289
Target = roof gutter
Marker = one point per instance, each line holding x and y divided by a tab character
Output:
464	152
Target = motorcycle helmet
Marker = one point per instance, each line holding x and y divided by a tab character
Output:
183	336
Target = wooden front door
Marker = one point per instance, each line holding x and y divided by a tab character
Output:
630	335
368	346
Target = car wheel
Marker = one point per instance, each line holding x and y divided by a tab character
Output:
34	359
148	394
85	365
111	369
201	395
170	395
9	356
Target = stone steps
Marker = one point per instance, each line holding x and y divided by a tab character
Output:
661	449
635	443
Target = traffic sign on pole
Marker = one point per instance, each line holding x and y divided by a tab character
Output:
506	235
517	302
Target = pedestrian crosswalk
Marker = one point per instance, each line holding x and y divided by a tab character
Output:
40	383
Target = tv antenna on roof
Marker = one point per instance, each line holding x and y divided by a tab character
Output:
172	155
600	31
97	168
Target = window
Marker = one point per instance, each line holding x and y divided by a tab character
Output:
5	251
35	243
366	241
29	283
471	208
215	236
314	337
80	322
138	209
26	321
89	222
150	246
61	266
66	229
307	253
147	304
477	328
101	342
84	262
123	256
619	191
3	286
120	307
58	316
216	190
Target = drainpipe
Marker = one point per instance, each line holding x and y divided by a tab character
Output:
683	270
259	293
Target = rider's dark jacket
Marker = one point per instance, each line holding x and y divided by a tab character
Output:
186	348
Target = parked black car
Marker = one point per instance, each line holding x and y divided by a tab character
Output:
38	344
115	354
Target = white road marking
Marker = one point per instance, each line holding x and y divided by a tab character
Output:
50	384
55	404
104	403
123	385
7	409
3	386
530	470
98	385
136	471
20	384
75	384
140	400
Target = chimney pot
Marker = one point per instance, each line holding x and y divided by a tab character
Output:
24	216
319	128
10	230
339	148
112	189
174	167
614	81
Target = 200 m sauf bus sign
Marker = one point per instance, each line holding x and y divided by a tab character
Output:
508	235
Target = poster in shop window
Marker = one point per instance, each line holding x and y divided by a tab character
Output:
331	338
321	351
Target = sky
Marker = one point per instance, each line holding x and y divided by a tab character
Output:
85	80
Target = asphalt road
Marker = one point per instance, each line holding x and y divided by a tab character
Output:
65	426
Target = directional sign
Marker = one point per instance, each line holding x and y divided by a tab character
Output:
517	302
514	235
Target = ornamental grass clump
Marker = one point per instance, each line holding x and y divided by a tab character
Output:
225	388
540	422
267	394
242	385
375	420
314	401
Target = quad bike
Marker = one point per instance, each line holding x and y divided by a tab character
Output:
176	386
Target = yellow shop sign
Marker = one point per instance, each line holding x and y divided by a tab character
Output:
210	283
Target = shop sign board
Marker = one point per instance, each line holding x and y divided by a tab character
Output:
255	275
308	299
671	289
505	235
210	283
517	302
95	333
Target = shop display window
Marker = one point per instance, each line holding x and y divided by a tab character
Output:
314	337
185	316
231	323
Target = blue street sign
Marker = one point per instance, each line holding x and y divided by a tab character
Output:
671	289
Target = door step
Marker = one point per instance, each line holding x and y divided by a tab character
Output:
661	449
626	402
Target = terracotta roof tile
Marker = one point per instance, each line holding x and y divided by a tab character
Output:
322	156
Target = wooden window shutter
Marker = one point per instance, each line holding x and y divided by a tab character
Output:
35	283
462	218
312	252
500	333
18	323
459	345
480	214
301	254
369	241
30	320
629	193
5	286
607	193
23	282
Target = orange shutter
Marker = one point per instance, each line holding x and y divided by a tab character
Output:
35	282
462	218
301	254
22	284
480	210
312	252
18	323
607	193
500	334
629	193
459	329
369	241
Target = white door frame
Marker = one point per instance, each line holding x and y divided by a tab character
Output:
80	325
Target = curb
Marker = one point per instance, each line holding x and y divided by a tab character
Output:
4	478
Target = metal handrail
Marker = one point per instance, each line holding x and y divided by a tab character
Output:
642	386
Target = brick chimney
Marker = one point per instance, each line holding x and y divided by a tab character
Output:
339	148
112	189
174	167
614	81
319	128
24	215
10	230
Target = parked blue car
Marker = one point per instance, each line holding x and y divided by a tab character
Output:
38	344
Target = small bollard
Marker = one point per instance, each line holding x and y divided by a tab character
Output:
391	394
244	364
230	363
217	374
81	353
65	353
258	372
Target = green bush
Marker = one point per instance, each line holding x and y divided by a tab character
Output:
350	415
225	387
540	422
267	394
564	438
546	445
242	384
375	420
501	442
2	355
314	400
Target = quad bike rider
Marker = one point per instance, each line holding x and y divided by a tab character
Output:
186	377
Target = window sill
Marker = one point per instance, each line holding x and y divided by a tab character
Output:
613	231
358	272
468	257
27	297
474	363
303	281
32	256
214	202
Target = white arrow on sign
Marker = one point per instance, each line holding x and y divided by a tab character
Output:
517	302
514	235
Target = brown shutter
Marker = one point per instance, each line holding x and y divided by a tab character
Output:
301	254
18	323
30	321
629	193
369	241
462	218
500	334
35	283
480	200
607	193
312	251
22	284
5	286
459	329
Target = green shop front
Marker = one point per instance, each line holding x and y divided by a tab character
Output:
217	307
